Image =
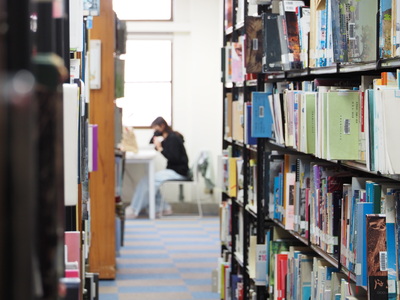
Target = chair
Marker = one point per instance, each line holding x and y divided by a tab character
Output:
194	178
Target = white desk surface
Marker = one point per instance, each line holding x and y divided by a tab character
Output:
141	155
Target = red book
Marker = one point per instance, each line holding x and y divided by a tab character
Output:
281	272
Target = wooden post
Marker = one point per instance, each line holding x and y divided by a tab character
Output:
102	192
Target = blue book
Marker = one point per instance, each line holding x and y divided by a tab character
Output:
374	195
371	107
397	230
281	186
262	121
277	193
363	208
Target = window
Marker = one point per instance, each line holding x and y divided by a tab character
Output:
143	10
148	82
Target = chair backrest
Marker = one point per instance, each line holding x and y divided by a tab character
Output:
200	161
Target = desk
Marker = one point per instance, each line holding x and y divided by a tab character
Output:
146	157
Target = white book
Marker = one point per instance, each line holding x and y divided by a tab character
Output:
71	118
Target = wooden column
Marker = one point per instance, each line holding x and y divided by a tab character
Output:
102	192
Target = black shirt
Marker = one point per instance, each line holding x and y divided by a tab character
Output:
175	153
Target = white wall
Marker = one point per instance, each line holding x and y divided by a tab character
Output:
197	104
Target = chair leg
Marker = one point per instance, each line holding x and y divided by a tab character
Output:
200	209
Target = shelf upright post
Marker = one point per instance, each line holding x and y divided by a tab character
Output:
4	233
246	222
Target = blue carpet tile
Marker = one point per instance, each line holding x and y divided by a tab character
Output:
169	259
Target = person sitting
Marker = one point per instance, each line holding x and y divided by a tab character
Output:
170	144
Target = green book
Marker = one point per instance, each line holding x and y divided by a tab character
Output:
342	110
310	122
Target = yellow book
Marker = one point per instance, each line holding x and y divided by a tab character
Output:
232	177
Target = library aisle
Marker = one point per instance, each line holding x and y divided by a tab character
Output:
168	258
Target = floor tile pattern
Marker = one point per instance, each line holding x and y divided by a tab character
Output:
168	258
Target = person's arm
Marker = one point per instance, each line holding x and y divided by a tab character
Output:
171	149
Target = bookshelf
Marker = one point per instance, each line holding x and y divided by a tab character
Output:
101	112
312	189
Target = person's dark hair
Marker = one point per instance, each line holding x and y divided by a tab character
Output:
159	121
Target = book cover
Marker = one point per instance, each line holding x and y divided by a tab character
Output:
277	196
254	44
343	125
363	209
290	181
339	30
228	14
228	63
362	31
385	29
390	106
232	177
228	115
238	61
376	257
390	210
261	265
303	15
273	53
262	121
237	120
293	39
310	118
281	272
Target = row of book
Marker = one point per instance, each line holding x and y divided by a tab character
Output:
337	212
300	275
291	270
333	119
319	35
232	178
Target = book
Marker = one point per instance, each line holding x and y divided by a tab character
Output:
342	125
390	104
363	209
254	44
272	60
232	179
71	119
280	273
228	20
237	120
249	139
362	33
238	60
228	115
390	211
292	29
385	28
376	257
262	122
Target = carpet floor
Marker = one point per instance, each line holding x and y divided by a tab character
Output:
168	258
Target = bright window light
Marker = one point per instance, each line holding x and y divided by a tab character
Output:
139	10
148	82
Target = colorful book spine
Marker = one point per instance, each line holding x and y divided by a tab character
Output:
363	209
377	257
262	122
